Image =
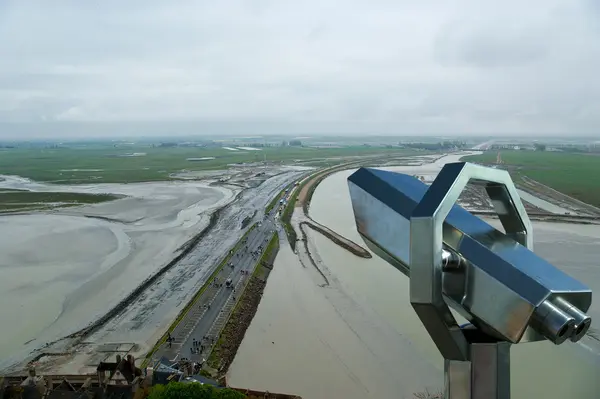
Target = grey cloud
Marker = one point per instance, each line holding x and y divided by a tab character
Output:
492	46
384	66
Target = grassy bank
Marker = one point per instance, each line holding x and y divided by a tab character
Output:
286	218
572	174
312	188
196	297
21	200
106	162
288	211
313	181
232	334
317	178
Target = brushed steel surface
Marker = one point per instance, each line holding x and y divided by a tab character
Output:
454	259
500	282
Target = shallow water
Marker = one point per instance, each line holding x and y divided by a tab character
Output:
320	343
360	338
573	248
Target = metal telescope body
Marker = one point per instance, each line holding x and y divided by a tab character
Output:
455	259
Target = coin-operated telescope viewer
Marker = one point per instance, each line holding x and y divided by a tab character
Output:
455	260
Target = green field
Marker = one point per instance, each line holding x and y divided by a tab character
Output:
573	174
107	163
19	200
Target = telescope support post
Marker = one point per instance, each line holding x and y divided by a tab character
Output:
476	366
485	376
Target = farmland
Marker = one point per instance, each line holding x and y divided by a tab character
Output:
22	200
572	174
106	163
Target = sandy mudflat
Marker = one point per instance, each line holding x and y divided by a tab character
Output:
156	219
35	283
62	270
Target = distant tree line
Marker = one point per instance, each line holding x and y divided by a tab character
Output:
442	145
210	144
293	143
570	148
583	149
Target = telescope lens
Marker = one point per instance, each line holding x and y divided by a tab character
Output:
553	323
581	329
563	330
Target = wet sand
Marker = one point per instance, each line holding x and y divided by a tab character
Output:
287	344
146	316
543	204
61	270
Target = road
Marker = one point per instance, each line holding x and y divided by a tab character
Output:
209	315
140	320
484	146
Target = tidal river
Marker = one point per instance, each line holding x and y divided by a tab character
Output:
360	338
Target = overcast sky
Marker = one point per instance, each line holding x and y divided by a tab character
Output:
308	66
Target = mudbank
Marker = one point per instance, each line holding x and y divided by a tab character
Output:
310	256
342	241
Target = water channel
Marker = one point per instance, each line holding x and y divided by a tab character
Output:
360	338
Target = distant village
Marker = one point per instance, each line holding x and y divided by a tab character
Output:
577	146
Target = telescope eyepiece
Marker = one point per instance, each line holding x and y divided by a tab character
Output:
558	320
582	320
553	323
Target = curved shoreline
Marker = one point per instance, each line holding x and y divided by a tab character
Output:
543	190
310	257
185	249
304	197
302	200
125	302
